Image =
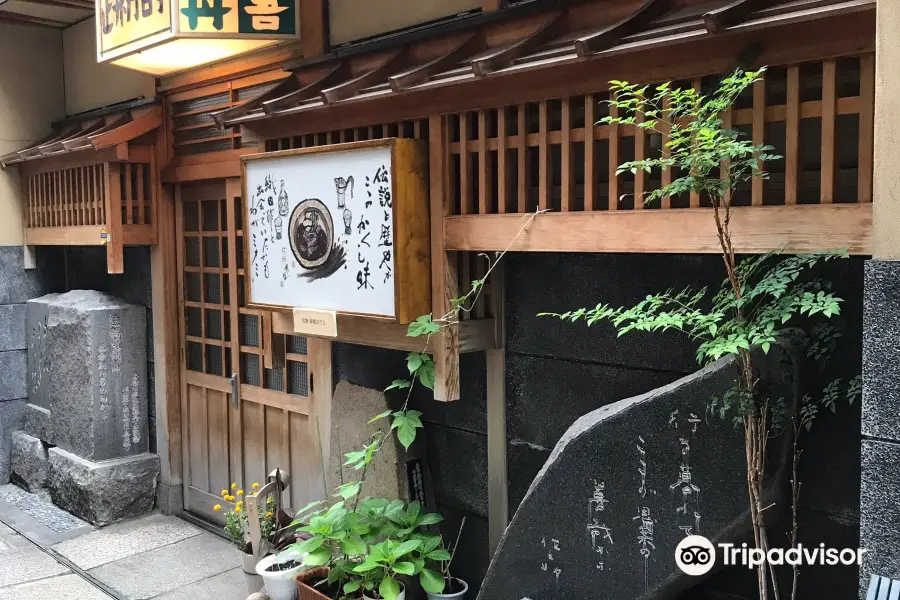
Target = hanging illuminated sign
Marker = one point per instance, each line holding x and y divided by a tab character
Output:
164	36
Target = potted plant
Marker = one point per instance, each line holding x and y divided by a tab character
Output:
454	587
237	528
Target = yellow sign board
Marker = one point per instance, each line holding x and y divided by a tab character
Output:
317	323
122	23
160	36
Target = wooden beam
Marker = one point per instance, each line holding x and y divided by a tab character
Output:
498	487
802	228
115	260
444	282
311	90
313	27
552	27
732	14
166	343
285	86
374	75
609	36
475	335
20	19
142	122
470	45
83	235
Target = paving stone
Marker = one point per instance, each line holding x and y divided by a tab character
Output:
63	587
12	327
29	564
169	568
225	586
125	539
40	508
29	460
103	492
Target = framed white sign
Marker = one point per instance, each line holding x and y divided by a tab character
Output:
324	228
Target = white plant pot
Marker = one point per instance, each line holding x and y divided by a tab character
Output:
252	580
280	585
402	595
455	595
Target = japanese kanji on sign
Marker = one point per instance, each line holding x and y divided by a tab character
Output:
341	228
162	36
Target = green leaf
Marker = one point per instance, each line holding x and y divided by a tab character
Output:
406	434
413	362
427	374
311	545
431	581
397	384
430	543
406	547
404	568
439	554
318	558
366	567
386	413
430	519
389	588
348	490
423	325
352	586
353	547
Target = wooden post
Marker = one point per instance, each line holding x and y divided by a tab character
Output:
498	488
313	27
444	284
166	345
321	391
115	260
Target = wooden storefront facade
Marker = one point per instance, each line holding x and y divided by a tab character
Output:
508	100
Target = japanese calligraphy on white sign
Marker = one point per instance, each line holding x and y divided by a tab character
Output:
319	231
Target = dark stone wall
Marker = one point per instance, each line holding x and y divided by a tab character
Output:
17	286
557	372
85	269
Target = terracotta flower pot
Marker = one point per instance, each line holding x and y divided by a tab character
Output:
307	579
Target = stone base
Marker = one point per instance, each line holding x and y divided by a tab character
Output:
29	461
37	423
103	492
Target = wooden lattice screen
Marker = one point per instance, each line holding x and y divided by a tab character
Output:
75	196
516	159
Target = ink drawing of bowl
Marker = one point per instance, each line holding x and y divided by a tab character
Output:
311	233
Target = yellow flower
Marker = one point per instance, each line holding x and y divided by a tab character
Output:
225	493
237	509
234	486
240	504
217	507
231	498
269	515
240	492
255	486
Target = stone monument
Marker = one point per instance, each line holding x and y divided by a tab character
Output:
625	484
87	371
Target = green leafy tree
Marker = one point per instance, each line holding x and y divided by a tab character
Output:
759	297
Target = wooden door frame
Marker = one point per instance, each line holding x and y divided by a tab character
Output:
170	357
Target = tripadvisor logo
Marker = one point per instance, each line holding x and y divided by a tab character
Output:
695	555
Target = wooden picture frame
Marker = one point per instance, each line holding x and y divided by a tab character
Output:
411	244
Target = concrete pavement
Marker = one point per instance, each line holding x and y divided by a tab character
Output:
154	557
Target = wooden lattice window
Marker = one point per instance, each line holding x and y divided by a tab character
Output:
554	155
